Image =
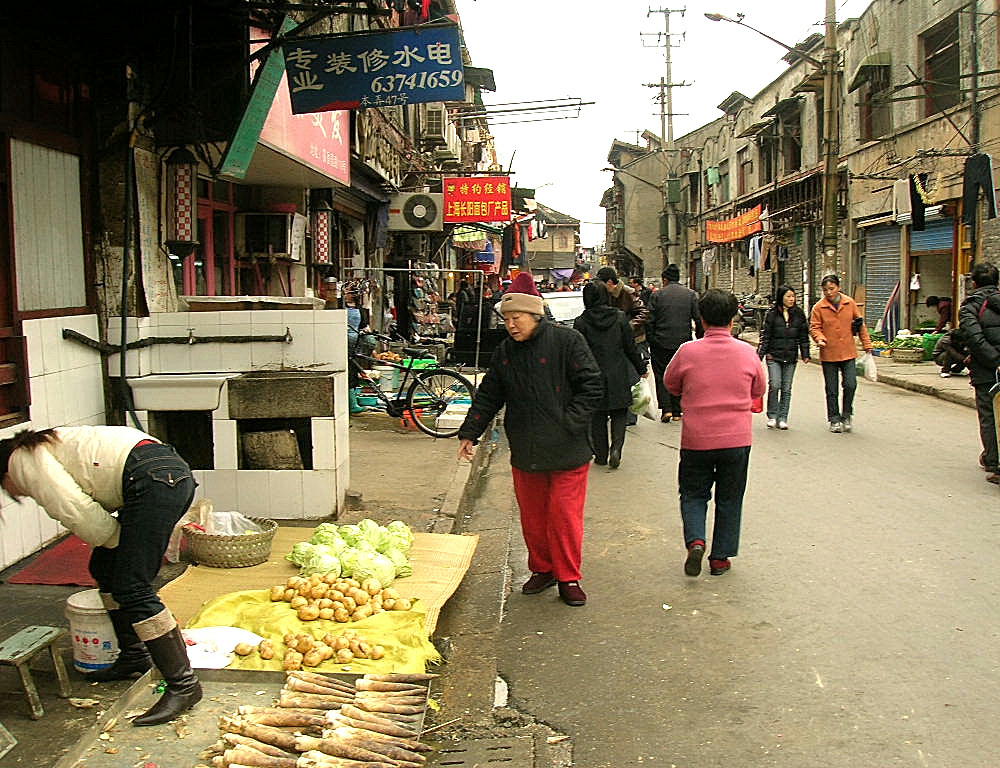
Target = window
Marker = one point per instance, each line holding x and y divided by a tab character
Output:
709	192
745	171
211	270
694	192
874	107
942	62
768	146
791	141
724	181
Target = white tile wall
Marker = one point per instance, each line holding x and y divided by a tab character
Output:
324	452
285	494
224	436
253	494
319	493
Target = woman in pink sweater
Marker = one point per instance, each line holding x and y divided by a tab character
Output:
717	377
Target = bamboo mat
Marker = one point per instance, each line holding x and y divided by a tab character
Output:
439	563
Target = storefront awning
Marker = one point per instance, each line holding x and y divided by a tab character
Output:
785	105
865	70
756	128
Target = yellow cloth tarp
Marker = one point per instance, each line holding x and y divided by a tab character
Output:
239	597
401	633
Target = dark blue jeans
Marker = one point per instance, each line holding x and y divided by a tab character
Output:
158	488
779	389
832	372
726	469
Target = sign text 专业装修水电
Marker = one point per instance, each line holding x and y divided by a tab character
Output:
374	69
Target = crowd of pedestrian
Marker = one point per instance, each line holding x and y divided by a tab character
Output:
564	388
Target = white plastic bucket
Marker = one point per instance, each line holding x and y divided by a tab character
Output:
388	378
94	643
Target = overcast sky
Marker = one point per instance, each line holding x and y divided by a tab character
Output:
591	50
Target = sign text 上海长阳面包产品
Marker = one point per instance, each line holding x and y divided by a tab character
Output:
481	198
375	69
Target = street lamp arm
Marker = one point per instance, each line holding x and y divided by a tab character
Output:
740	22
657	187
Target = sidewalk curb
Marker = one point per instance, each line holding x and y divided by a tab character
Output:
967	400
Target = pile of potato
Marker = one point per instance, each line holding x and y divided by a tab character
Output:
390	357
333	598
305	650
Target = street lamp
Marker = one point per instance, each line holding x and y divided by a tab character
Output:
831	151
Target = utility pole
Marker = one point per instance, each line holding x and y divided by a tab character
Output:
831	131
666	86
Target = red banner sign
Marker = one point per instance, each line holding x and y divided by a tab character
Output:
727	230
479	198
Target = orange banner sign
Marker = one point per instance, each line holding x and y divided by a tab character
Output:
727	230
480	198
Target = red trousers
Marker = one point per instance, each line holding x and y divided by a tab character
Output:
552	519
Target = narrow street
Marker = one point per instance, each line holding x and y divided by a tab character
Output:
857	627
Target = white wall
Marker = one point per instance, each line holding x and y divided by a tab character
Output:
66	389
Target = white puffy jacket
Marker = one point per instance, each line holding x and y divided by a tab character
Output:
78	478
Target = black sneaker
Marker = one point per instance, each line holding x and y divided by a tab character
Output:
538	582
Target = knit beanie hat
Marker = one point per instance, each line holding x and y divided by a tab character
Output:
522	296
672	273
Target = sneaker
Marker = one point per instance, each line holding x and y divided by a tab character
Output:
696	551
836	426
538	582
665	417
846	424
719	567
772	423
571	593
782	425
945	375
678	416
995	479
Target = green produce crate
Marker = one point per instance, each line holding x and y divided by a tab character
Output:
417	363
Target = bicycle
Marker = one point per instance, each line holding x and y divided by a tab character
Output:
428	391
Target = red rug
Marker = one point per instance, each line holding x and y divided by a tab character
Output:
63	564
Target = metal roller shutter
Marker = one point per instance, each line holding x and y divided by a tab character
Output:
699	276
938	236
881	269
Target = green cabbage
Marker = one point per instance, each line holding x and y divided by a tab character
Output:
314	558
300	553
400	561
400	536
374	566
328	533
351	534
375	533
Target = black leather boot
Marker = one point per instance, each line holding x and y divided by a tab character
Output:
133	658
183	689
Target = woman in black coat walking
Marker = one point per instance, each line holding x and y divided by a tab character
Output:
612	343
784	334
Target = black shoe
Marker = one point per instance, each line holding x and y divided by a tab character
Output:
692	565
538	582
571	593
169	654
615	458
599	461
133	658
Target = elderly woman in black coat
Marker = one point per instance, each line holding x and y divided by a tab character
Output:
612	343
548	380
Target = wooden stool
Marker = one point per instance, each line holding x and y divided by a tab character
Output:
19	649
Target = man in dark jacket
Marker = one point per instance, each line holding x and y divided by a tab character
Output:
980	323
546	376
673	314
623	297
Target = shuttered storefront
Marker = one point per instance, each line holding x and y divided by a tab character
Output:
881	269
938	236
698	282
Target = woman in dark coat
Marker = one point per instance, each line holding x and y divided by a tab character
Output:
548	380
612	343
784	335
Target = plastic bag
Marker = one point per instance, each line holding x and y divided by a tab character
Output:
644	397
866	366
230	523
197	515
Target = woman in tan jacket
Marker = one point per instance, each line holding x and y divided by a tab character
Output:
832	324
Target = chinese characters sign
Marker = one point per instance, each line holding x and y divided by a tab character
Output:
727	230
375	69
481	198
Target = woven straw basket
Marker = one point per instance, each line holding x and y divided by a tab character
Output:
905	355
232	551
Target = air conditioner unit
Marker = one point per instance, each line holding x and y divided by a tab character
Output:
416	212
280	235
435	124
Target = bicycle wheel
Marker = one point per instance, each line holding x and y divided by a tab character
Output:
430	395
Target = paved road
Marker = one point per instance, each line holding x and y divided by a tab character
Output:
859	627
